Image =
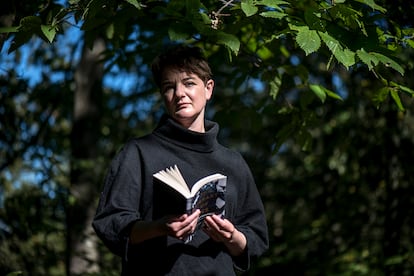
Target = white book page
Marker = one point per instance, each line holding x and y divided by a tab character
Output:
173	178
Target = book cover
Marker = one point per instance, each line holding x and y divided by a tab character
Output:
172	195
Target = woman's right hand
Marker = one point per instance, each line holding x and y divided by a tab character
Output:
182	226
179	227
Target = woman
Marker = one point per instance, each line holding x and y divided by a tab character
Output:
125	218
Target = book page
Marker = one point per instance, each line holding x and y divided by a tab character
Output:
173	178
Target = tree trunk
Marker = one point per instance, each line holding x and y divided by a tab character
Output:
82	252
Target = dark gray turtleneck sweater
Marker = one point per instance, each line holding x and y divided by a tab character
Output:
128	196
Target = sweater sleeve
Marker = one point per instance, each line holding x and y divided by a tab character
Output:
119	200
249	218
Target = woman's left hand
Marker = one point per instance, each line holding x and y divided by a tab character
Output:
222	230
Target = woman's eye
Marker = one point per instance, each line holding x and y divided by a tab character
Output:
167	89
189	84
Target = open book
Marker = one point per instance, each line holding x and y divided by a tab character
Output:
172	195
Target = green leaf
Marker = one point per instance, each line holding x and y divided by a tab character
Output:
30	24
406	89
230	41
49	32
275	85
134	3
110	30
344	56
179	31
249	8
403	88
372	59
388	62
308	40
322	92
397	100
349	16
332	94
373	5
367	58
313	19
380	96
9	29
275	4
410	42
273	14
319	91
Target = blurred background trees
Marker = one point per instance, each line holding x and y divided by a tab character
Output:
317	95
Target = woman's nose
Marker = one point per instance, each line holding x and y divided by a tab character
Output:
179	91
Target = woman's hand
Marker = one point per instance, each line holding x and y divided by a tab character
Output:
178	227
222	230
182	226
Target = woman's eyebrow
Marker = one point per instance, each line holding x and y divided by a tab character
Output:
188	78
166	82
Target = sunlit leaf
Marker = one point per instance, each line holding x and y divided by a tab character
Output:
406	89
273	3
110	31
248	7
389	62
322	92
275	85
273	14
308	40
230	41
344	56
319	91
332	94
370	60
397	100
373	5
49	32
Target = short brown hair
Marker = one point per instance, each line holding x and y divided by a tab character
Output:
189	59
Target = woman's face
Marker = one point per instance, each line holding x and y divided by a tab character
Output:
185	97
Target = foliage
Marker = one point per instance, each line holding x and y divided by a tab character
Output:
317	95
348	32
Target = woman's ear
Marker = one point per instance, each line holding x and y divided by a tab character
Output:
209	87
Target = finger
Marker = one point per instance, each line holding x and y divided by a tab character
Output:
220	221
223	224
188	227
219	229
194	215
211	233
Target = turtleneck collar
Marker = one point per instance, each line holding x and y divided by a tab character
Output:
173	132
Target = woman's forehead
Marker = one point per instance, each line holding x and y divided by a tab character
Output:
177	74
